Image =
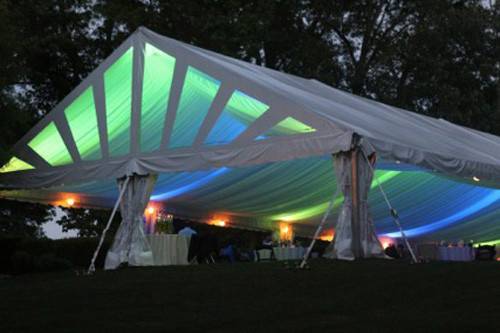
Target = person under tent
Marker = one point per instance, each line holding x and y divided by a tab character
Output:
187	231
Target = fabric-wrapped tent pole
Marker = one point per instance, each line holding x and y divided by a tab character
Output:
130	244
355	232
123	187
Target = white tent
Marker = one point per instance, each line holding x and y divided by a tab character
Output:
157	105
329	116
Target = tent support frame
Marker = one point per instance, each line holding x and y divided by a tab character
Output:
394	212
91	269
356	244
320	226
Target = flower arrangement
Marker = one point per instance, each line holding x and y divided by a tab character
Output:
165	224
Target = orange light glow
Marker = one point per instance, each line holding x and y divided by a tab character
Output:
386	241
218	222
70	202
327	235
151	209
286	232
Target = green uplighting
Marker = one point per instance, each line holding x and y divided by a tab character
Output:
50	146
118	93
158	73
15	164
240	111
198	92
245	108
302	214
289	126
82	120
492	242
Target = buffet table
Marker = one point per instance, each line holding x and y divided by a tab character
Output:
289	253
169	249
456	253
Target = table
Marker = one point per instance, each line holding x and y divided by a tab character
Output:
428	251
169	249
289	253
456	253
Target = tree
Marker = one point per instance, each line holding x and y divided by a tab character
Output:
88	222
46	51
439	58
22	219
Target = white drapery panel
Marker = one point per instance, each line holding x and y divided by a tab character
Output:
354	238
130	244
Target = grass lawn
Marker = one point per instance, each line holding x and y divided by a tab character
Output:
333	296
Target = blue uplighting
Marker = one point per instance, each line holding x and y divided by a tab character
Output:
225	130
483	203
192	182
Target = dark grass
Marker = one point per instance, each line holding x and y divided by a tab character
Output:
333	296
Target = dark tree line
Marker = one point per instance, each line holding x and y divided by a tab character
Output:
440	58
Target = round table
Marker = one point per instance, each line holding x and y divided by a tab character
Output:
169	249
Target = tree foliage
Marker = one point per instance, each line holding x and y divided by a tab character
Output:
88	222
22	219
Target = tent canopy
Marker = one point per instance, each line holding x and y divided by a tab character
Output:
229	137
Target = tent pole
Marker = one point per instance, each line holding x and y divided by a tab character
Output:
115	208
318	230
320	226
394	212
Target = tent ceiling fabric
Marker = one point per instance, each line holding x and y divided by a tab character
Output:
226	136
298	191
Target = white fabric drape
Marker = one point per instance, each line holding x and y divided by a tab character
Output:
130	244
343	245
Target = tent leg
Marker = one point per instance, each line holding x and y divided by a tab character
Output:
320	226
318	230
115	208
394	212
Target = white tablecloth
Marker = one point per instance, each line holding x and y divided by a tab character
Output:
456	253
169	249
289	253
